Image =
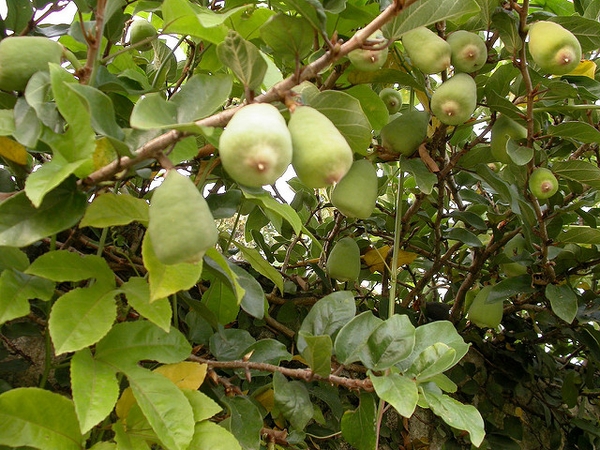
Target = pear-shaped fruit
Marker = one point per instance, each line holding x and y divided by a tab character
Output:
514	248
454	101
427	51
141	29
356	194
370	60
542	183
256	146
485	315
343	263
504	129
321	155
392	99
404	134
22	56
180	224
554	48
469	52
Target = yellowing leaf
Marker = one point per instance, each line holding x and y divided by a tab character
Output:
104	153
585	68
267	399
186	374
13	151
124	404
375	259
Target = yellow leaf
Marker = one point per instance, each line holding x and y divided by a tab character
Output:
124	404
186	374
585	68
375	259
104	153
13	151
267	399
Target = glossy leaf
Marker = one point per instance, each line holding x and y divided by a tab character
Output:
17	289
262	266
563	301
317	353
581	171
254	301
109	210
292	400
358	426
221	300
210	436
352	338
245	422
101	108
203	406
244	60
289	36
580	235
231	343
424	178
159	312
399	391
391	342
432	361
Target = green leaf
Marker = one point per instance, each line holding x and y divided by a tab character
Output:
169	279
464	236
109	210
217	265
427	12
38	418
563	301
580	171
261	265
159	312
22	224
509	287
7	122
267	351
129	342
348	117
244	60
312	11
352	338
210	436
507	24
17	288
317	353
81	317
580	235
391	342
220	299
101	108
203	406
575	131
457	415
372	105
95	389
358	426
288	36
292	400
327	316
48	177
284	211
399	391
164	405
230	344
128	440
245	421
254	301
432	361
424	179
13	258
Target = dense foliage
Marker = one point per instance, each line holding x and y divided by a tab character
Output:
431	283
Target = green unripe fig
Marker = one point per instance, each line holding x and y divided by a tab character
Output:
392	99
504	129
356	194
513	248
542	183
256	146
404	134
554	48
22	56
427	51
321	155
180	224
482	314
369	60
140	30
343	263
469	52
454	101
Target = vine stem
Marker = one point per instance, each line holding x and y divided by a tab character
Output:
397	238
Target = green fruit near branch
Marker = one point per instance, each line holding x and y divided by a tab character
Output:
427	51
455	100
343	263
321	155
180	224
554	48
356	194
392	99
404	134
505	128
140	30
482	314
369	60
469	52
514	248
542	183
22	56
256	146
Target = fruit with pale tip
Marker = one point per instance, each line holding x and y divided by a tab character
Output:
370	60
392	99
427	51
469	52
542	183
554	48
455	100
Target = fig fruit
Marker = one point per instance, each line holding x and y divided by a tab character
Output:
469	52
356	194
392	99
321	155
369	60
554	48
22	56
513	248
404	134
505	128
454	101
256	146
482	314
180	224
343	263
140	30
542	183
427	51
